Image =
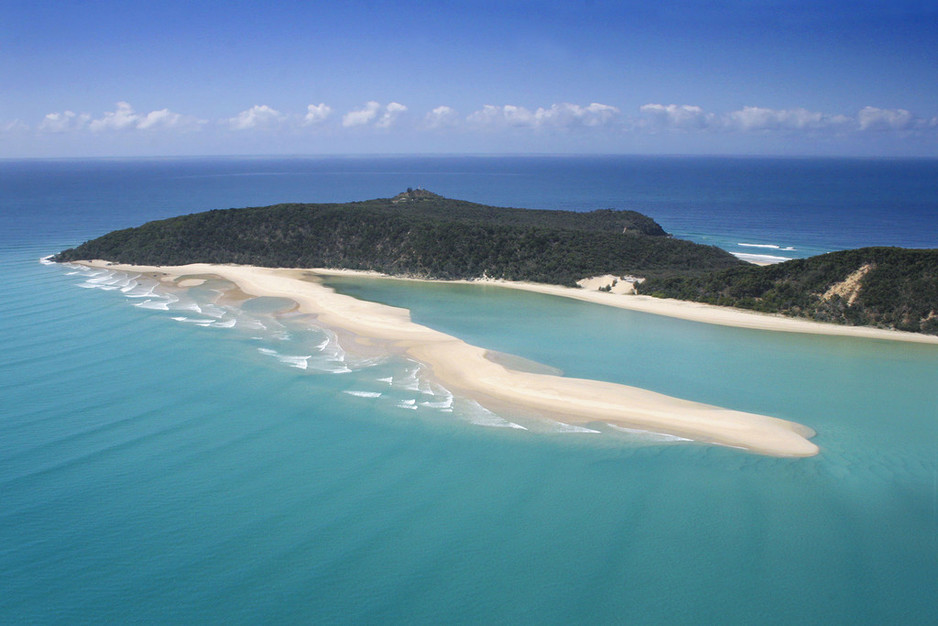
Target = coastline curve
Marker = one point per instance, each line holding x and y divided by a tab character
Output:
466	369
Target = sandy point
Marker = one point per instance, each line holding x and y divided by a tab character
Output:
465	368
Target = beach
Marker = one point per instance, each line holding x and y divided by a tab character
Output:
465	369
686	310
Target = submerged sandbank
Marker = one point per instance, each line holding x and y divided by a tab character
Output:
465	369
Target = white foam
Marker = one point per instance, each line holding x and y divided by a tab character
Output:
213	311
769	246
229	323
101	278
47	260
410	380
322	346
299	362
389	380
364	394
360	364
408	404
331	348
477	414
446	404
760	258
561	427
195	320
140	291
124	281
156	305
648	435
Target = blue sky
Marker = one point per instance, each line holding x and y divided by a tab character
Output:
516	76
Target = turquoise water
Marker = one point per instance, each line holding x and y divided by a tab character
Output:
183	465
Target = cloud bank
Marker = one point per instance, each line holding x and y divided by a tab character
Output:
597	123
258	116
374	114
563	115
752	119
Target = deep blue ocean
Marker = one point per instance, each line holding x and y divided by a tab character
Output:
171	457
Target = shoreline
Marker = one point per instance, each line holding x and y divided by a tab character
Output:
680	309
465	369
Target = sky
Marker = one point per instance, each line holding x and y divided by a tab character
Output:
773	77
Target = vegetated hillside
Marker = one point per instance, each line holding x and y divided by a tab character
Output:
885	287
415	234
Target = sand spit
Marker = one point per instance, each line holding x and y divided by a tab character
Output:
464	368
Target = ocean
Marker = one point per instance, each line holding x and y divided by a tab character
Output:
173	457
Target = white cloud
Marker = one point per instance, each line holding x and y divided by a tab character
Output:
120	119
361	117
370	114
391	113
872	118
683	116
257	117
745	120
441	117
517	116
164	118
13	127
63	122
758	118
563	115
490	116
566	115
316	113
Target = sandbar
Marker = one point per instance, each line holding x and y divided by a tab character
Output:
465	369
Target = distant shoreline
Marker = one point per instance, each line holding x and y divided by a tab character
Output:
466	369
681	309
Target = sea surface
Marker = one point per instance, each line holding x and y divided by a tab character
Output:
174	456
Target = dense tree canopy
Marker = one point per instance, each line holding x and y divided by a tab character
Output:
417	233
421	234
886	287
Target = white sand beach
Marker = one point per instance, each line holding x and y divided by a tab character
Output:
464	368
682	309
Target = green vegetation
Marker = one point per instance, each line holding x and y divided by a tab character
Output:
416	233
885	287
421	234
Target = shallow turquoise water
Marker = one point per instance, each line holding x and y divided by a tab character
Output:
153	469
173	471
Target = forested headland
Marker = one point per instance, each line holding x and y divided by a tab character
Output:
883	287
418	234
